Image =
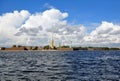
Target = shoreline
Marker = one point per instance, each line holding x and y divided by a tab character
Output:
54	50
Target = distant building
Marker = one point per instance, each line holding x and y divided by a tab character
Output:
33	47
40	48
65	49
16	48
90	49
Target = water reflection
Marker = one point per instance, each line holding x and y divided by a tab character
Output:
60	66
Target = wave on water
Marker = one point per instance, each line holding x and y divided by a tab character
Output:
60	66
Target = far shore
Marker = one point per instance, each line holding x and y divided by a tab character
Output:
55	50
60	48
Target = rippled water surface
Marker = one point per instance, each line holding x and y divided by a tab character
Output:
60	66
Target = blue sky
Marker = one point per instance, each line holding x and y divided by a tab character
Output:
80	11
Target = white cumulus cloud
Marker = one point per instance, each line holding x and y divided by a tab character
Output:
36	29
106	34
9	23
24	28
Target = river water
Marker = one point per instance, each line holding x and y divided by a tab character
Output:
59	66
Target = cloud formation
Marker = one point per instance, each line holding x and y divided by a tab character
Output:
24	28
9	23
106	34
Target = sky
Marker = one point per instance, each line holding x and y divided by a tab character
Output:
84	22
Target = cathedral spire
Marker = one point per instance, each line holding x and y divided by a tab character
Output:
52	42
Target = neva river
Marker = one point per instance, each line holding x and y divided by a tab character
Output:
60	66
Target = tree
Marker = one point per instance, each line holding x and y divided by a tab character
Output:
46	47
3	48
65	47
35	48
14	46
19	46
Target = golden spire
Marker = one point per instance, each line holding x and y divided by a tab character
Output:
52	42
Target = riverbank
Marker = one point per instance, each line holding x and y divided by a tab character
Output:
63	48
